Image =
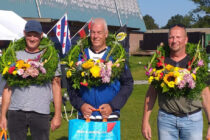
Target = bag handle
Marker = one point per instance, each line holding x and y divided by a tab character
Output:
3	133
88	119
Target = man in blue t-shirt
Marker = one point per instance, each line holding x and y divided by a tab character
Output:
108	98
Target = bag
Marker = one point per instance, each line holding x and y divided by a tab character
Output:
3	135
83	130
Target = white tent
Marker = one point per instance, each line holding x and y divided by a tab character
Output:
11	25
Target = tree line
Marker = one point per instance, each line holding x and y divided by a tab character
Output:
190	20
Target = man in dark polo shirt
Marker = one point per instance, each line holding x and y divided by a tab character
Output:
178	118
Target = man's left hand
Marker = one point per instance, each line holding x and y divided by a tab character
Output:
105	110
55	123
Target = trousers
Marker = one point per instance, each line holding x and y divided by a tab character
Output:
171	127
19	122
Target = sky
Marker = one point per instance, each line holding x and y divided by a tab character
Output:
162	10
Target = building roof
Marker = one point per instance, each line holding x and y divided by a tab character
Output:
204	30
80	10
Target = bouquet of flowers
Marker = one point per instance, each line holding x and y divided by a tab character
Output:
176	81
25	69
87	72
38	71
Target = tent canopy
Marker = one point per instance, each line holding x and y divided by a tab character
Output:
11	25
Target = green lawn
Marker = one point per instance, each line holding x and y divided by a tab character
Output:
131	114
137	66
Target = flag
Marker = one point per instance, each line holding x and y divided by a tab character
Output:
62	32
82	33
123	37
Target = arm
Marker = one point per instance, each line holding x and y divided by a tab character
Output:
126	88
6	96
148	106
57	98
77	102
206	106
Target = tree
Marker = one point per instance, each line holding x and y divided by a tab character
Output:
202	22
150	22
203	5
179	19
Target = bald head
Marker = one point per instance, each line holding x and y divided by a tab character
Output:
100	21
98	34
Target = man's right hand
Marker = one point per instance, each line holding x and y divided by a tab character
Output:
146	130
3	123
87	110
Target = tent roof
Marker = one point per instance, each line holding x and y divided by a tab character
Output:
11	25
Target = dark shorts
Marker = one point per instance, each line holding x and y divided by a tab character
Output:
19	122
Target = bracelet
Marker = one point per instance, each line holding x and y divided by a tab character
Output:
208	123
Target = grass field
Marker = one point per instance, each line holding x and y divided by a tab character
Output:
131	114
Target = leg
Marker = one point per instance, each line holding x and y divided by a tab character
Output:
39	126
167	129
191	127
17	125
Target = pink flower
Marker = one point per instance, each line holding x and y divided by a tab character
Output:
117	65
148	72
25	75
200	63
78	63
20	72
109	65
42	69
106	79
33	72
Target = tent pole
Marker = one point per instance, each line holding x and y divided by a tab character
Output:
118	13
37	5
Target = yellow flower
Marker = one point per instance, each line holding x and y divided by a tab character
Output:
68	74
98	61
176	74
14	72
157	78
19	64
194	76
171	84
150	79
162	84
83	74
169	67
5	70
26	66
170	79
71	63
95	71
176	69
9	63
88	64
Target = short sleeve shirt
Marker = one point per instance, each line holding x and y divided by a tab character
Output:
34	97
180	105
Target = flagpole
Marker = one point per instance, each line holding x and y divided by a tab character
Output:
118	13
80	29
55	24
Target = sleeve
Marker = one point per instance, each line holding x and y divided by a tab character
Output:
126	88
75	100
